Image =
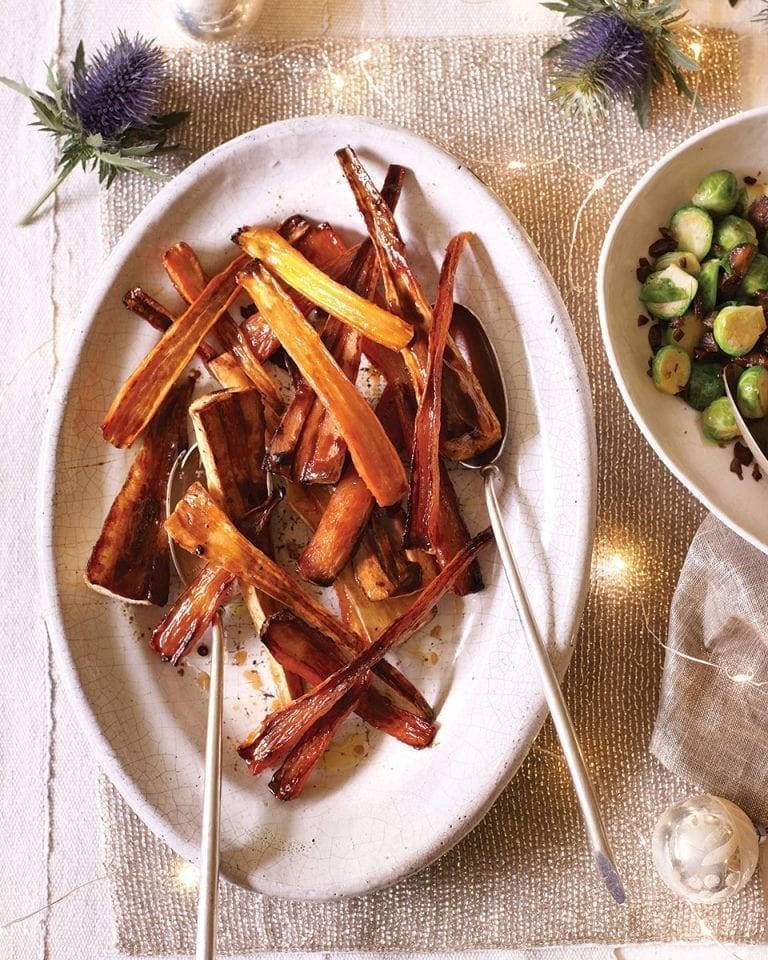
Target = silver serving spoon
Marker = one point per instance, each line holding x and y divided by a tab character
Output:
755	434
473	341
185	471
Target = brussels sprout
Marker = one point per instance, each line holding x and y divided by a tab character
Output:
752	392
692	229
668	293
747	196
717	192
737	329
719	422
732	231
679	258
756	277
708	278
705	385
686	333
671	369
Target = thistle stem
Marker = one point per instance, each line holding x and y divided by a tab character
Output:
52	186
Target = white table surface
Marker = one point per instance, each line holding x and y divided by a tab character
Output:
51	846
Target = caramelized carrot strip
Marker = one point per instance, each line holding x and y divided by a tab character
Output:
373	455
159	317
339	301
422	527
131	559
200	527
312	656
289	780
284	728
145	389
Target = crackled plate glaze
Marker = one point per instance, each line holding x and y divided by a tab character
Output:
673	429
375	811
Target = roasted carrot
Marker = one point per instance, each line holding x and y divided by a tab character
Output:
130	559
159	317
284	728
339	301
149	384
373	455
422	528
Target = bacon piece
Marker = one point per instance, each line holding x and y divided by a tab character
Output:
145	389
298	273
284	728
131	558
289	780
422	528
373	455
199	526
470	425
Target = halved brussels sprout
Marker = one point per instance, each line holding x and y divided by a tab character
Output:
717	192
718	421
671	369
732	231
756	277
692	228
747	196
752	392
686	333
705	385
667	293
679	258
737	329
708	278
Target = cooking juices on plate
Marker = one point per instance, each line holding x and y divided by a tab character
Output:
707	292
366	474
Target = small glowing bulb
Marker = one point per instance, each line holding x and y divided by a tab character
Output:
615	563
515	165
337	81
187	875
600	182
696	49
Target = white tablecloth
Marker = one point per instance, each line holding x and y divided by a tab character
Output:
47	777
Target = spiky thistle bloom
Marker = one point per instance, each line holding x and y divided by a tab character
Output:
616	50
106	115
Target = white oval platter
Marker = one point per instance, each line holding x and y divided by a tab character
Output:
375	810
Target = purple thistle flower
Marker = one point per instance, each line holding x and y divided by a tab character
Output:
119	87
612	53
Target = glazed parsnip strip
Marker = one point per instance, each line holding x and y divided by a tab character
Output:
287	263
373	455
149	384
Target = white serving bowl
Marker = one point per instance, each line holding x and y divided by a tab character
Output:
673	429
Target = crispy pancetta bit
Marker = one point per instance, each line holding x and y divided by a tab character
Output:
284	728
373	455
200	527
149	384
131	558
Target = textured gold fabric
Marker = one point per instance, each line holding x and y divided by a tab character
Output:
524	876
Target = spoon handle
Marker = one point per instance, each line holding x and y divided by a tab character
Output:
582	782
209	851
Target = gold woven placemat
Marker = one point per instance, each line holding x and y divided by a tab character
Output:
524	876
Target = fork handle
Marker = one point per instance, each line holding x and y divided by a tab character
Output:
209	847
582	782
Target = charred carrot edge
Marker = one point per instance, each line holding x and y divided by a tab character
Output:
159	317
340	529
130	559
337	300
423	515
188	277
199	526
308	653
372	453
284	728
149	384
381	565
288	782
